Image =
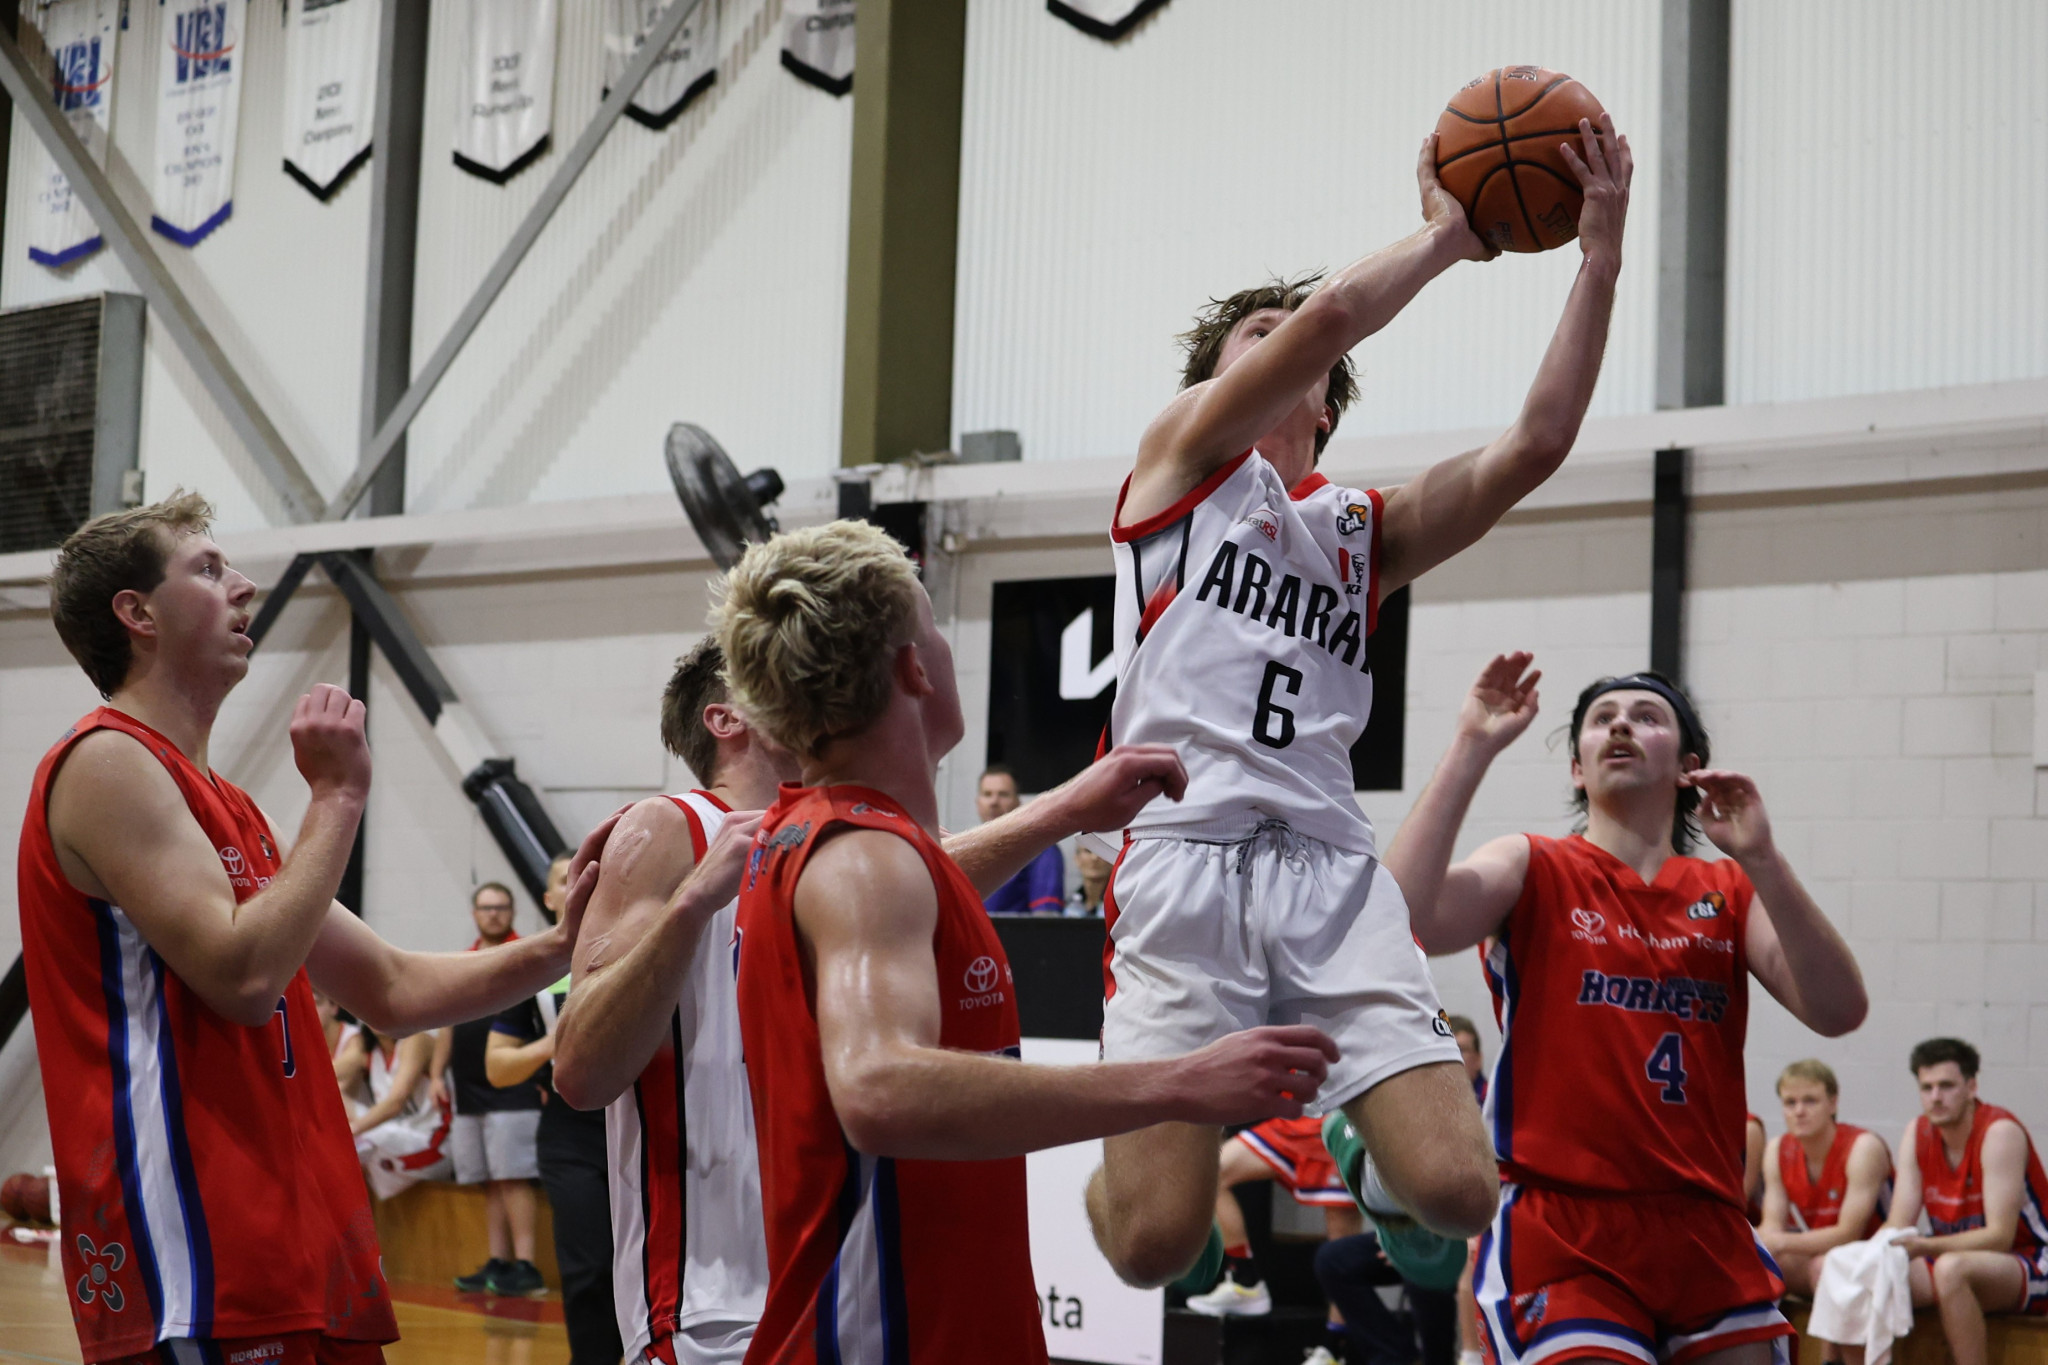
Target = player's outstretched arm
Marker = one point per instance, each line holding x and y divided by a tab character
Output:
1792	947
395	991
1451	908
1211	423
1107	794
2004	1157
867	910
124	834
638	943
1452	504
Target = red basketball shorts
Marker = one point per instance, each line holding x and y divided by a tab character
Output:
1294	1149
1656	1279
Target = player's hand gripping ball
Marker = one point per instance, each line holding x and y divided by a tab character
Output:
1498	153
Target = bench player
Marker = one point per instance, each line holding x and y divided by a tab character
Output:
651	1028
1247	588
1620	972
170	938
1824	1181
1972	1167
876	1004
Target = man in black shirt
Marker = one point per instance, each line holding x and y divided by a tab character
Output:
493	1133
572	1160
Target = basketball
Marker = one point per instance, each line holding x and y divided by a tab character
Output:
1497	153
26	1198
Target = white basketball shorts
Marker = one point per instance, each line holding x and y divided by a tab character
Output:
1210	936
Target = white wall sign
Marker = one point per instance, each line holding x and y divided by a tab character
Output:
330	89
80	37
1089	1314
198	105
685	71
507	87
817	42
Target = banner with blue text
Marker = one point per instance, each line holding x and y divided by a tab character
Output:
198	105
79	37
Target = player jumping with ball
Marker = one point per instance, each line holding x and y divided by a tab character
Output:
1247	588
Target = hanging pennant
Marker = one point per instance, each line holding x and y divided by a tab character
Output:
685	71
1108	19
198	103
79	35
330	90
508	88
817	42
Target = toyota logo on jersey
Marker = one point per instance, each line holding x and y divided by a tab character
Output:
231	858
981	975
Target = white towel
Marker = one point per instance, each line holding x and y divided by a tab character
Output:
1864	1296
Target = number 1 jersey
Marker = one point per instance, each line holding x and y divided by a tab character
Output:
1622	1007
1242	613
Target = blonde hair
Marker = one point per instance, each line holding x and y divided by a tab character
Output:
1810	1069
810	622
104	558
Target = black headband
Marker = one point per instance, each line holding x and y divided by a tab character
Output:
1688	721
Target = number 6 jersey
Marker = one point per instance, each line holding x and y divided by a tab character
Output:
1622	1008
1242	613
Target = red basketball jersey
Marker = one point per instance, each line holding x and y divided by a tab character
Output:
1622	1009
875	1260
208	1180
1818	1203
1954	1195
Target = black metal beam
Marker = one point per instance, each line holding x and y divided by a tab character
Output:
351	890
394	635
274	604
1692	217
1669	517
13	999
394	233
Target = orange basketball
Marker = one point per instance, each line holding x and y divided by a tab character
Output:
1497	153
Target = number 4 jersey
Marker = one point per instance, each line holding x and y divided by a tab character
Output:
1242	613
1622	1007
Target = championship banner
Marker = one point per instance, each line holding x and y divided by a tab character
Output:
199	101
685	71
80	37
330	90
1107	19
817	42
508	88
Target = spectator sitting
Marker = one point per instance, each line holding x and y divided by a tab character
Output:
1094	870
401	1134
1824	1182
494	1131
1040	889
1972	1167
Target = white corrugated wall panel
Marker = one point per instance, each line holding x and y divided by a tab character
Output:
280	283
1108	189
1886	192
695	273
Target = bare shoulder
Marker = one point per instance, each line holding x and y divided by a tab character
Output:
111	794
1869	1148
2008	1134
112	767
651	843
864	882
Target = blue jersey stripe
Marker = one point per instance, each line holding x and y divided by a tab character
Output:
124	1114
198	1242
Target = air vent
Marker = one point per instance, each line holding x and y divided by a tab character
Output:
70	415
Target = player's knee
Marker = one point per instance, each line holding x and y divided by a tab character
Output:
1149	1251
1457	1197
1951	1275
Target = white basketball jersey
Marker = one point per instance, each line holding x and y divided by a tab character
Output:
689	1239
1242	613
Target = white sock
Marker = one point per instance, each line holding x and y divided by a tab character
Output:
1373	1193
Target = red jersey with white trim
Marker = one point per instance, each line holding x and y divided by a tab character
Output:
688	1247
876	1260
1816	1203
1242	613
207	1177
1623	1008
1953	1196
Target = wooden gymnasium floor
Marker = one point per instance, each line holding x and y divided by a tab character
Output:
434	1325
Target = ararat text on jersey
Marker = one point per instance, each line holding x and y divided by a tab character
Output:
1245	593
